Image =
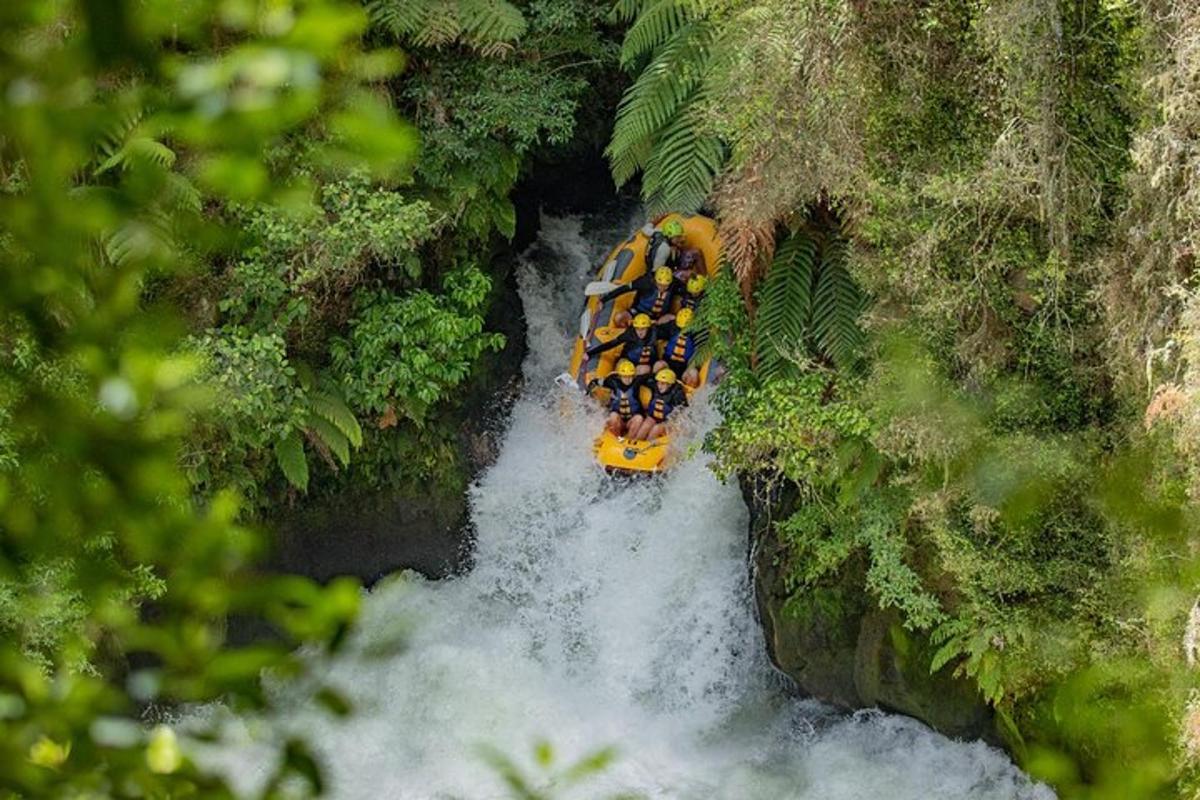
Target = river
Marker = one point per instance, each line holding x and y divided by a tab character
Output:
600	614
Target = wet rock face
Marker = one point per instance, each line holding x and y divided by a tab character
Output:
816	649
836	646
373	536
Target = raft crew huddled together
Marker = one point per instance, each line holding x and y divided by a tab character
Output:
657	344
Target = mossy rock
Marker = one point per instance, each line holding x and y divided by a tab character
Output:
838	647
815	645
891	671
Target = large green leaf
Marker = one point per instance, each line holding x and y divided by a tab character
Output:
656	22
837	306
785	303
436	22
486	21
334	409
289	454
330	436
656	96
683	165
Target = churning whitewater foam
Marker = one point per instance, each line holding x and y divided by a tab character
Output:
597	614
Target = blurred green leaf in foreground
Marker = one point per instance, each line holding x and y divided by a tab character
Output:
119	122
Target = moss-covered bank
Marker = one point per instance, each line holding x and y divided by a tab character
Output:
840	648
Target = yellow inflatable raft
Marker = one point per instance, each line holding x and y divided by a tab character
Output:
626	263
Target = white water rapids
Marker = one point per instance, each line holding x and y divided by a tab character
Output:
597	614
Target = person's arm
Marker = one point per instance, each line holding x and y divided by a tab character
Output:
598	383
624	288
636	285
600	347
680	395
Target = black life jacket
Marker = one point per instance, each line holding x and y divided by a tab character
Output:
624	399
679	349
641	351
661	405
656	303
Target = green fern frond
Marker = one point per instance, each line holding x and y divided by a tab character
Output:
656	23
785	303
139	151
630	161
289	454
125	143
181	194
626	10
330	436
115	134
489	21
401	18
141	239
658	129
432	23
333	409
441	26
837	305
660	90
684	163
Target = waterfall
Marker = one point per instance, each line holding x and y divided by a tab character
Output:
598	613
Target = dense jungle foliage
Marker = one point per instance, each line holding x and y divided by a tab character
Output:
961	321
246	254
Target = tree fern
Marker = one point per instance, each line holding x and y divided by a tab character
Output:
400	18
660	129
836	308
626	10
333	409
116	133
140	240
329	424
785	303
181	194
809	303
325	434
629	161
486	21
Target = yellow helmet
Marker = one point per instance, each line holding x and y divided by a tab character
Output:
684	318
663	276
641	321
672	228
696	284
665	375
625	368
